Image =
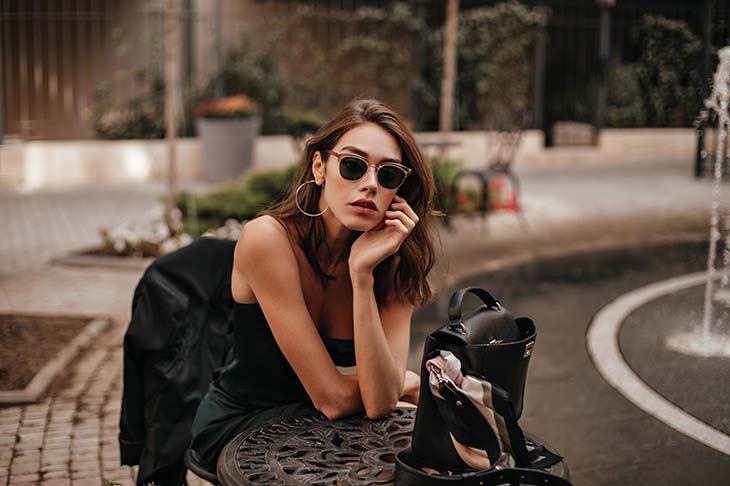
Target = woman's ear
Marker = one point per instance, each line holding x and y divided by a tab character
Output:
318	168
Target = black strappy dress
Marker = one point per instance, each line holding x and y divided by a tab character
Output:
256	384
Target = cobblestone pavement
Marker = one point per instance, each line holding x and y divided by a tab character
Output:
70	438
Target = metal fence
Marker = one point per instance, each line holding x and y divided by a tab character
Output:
56	54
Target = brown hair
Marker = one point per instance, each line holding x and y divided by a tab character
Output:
395	278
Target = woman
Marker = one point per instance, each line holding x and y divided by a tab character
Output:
326	280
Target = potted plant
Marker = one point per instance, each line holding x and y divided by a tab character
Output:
228	128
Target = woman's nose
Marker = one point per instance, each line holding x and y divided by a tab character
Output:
370	179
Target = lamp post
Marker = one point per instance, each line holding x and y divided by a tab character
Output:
604	52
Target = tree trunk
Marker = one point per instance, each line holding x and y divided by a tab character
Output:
449	78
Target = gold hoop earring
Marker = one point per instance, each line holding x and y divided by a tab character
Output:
296	201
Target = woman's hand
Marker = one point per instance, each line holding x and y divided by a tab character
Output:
377	244
411	388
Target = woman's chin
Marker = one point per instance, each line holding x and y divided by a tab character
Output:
361	226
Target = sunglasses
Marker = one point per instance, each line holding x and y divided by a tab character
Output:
352	167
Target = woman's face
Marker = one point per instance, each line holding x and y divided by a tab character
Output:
358	205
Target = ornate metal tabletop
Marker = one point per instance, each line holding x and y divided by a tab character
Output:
314	450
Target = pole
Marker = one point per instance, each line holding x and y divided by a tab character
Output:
706	76
218	30
538	83
604	52
448	80
171	79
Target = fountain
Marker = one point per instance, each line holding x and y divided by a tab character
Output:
708	340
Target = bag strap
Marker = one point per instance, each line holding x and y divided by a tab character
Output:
465	423
408	471
458	297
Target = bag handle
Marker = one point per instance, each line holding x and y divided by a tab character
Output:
455	323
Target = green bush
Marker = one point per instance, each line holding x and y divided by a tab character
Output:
625	104
361	60
444	172
241	199
494	56
668	72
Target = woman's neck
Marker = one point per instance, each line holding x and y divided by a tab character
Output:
337	238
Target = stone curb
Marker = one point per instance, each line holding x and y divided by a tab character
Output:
85	259
40	382
602	343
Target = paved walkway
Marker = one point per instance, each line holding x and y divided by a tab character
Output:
70	437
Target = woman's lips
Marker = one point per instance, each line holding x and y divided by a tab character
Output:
363	209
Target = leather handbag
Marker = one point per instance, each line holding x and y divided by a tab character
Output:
473	376
491	344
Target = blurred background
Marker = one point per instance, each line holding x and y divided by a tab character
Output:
570	142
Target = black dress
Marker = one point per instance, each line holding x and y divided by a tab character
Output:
256	384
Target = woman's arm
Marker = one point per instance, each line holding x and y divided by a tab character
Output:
381	347
265	262
381	335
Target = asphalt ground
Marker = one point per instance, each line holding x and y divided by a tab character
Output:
69	438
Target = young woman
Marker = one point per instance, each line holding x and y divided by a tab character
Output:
326	282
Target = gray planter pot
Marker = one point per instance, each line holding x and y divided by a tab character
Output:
227	146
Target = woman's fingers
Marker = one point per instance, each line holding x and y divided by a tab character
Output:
400	204
398	224
402	217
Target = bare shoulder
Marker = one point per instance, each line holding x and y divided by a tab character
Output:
262	236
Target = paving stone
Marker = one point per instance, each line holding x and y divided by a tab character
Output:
31	419
23	457
58	430
87	481
54	467
9	429
55	456
17	468
55	482
31	429
56	474
23	478
7	440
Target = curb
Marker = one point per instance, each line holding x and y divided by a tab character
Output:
84	259
45	376
605	353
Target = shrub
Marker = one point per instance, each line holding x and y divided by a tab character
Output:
625	104
240	200
668	72
494	56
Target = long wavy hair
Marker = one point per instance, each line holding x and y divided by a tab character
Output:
398	278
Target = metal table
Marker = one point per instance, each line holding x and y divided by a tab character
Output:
314	450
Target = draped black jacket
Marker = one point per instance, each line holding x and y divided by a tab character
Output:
180	332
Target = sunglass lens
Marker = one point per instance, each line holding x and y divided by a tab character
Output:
352	168
390	177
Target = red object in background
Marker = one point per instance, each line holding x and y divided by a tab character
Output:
502	194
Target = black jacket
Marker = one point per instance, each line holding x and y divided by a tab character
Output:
179	334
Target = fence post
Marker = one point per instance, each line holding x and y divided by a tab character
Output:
705	87
604	52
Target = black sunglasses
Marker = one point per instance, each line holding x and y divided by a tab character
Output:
352	167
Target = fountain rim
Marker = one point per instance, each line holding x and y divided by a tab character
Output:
602	344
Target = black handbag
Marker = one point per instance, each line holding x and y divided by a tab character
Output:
495	348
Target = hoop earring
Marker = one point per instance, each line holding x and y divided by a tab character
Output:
296	201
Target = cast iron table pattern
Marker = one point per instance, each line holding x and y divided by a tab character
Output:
314	450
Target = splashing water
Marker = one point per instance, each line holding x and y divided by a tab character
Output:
707	341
